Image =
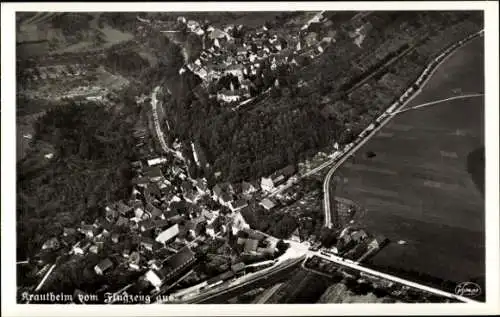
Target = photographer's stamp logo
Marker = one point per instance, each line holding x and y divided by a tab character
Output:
468	289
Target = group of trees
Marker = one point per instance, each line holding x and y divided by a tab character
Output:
128	63
92	151
275	224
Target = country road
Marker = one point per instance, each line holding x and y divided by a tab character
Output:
428	289
156	121
159	132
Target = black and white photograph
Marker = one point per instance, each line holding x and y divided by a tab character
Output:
322	155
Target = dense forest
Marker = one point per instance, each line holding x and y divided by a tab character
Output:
92	150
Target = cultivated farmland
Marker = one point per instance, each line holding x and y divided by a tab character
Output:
424	185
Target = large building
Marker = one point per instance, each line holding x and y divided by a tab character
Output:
172	268
168	234
277	178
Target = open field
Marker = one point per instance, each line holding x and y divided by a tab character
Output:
425	183
42	33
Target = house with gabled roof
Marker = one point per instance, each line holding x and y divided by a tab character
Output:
296	235
192	196
193	227
251	246
124	209
140	181
154	211
52	243
149	244
267	203
168	234
202	185
359	235
111	213
88	230
154	173
216	226
69	231
225	199
171	215
277	178
237	205
103	266
122	221
238	222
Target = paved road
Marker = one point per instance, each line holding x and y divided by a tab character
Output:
435	102
156	120
343	262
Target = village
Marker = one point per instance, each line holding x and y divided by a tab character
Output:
169	219
175	232
241	54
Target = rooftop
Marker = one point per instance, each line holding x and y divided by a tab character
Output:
267	203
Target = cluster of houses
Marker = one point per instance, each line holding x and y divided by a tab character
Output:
242	55
167	214
357	244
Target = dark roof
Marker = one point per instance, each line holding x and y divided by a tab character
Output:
183	257
253	234
122	207
201	184
111	212
239	203
170	214
154	189
288	170
161	223
236	188
220	277
140	180
122	221
217	190
105	264
154	171
90	228
147	240
359	235
190	195
69	231
226	197
193	223
146	225
217	223
186	186
246	186
136	204
155	212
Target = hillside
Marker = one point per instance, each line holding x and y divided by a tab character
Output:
342	91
